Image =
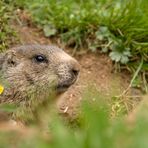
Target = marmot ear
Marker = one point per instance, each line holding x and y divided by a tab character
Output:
10	59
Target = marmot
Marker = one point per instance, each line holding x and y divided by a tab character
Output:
30	69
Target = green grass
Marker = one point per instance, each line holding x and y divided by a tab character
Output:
7	34
94	24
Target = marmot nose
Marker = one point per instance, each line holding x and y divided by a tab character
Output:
74	75
75	69
75	72
68	72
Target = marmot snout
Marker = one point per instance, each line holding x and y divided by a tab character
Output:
27	69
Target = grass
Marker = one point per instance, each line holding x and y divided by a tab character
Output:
116	27
95	129
7	34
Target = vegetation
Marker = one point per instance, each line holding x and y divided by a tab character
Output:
7	34
94	128
110	25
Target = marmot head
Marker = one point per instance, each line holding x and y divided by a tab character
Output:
32	67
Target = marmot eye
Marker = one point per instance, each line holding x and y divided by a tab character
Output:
40	58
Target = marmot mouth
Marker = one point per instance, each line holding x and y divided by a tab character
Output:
62	88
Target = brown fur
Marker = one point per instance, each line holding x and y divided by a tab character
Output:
21	74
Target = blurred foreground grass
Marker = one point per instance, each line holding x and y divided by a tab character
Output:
95	129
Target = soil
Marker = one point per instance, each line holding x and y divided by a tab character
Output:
97	71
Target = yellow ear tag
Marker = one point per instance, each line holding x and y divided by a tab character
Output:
1	89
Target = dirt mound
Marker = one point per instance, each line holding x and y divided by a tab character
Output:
96	71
